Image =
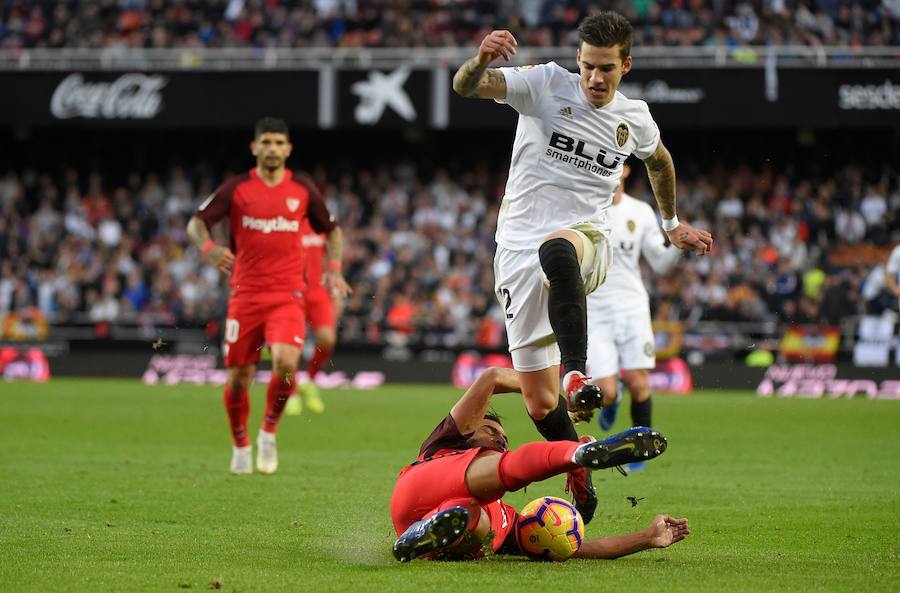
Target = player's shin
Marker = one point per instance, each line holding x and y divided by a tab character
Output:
557	426
280	388
534	462
237	405
567	307
318	361
641	412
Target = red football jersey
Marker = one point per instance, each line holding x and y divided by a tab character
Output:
266	229
314	243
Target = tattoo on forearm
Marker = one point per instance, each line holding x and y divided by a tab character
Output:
335	244
661	172
197	232
466	79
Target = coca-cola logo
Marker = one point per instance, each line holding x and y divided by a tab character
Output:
131	96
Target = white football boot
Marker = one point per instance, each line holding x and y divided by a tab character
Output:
266	453
242	460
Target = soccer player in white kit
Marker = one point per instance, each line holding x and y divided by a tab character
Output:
574	133
620	333
892	272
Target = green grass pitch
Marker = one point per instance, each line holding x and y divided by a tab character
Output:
117	486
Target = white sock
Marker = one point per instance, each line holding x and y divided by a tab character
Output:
266	437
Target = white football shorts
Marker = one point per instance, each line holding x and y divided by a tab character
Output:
522	289
620	342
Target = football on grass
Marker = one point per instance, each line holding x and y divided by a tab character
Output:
549	528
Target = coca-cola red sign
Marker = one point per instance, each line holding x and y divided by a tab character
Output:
130	96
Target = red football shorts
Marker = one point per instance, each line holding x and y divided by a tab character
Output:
421	490
319	307
256	321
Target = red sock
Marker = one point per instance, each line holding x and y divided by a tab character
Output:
319	359
534	462
237	404
277	394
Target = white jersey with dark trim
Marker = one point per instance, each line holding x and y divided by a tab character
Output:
893	264
567	156
635	231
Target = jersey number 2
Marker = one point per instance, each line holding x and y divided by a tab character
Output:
504	292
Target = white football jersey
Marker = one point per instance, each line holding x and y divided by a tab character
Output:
893	263
567	156
634	231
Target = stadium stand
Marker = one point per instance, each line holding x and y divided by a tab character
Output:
83	250
423	23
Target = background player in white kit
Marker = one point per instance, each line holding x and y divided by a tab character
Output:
620	333
892	272
574	133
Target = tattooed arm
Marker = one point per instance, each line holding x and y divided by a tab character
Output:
661	171
472	80
475	79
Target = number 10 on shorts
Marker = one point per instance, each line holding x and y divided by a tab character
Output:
232	329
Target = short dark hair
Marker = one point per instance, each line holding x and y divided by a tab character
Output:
272	125
606	29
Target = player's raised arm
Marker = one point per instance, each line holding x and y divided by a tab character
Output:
469	411
475	79
661	171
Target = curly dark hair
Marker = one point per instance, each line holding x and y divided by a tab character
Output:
606	29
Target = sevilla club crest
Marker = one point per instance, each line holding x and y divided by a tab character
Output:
293	204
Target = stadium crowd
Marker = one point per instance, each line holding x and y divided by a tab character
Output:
83	250
437	23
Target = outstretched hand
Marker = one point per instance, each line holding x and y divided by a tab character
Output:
666	530
686	237
497	44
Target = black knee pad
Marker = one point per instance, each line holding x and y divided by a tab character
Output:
559	260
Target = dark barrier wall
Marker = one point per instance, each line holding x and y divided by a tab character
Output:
679	98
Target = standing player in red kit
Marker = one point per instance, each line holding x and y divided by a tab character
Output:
266	208
323	306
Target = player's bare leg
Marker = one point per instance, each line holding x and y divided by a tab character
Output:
539	390
612	397
285	359
608	387
237	405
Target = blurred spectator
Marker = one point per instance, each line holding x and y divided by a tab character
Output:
419	249
382	23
